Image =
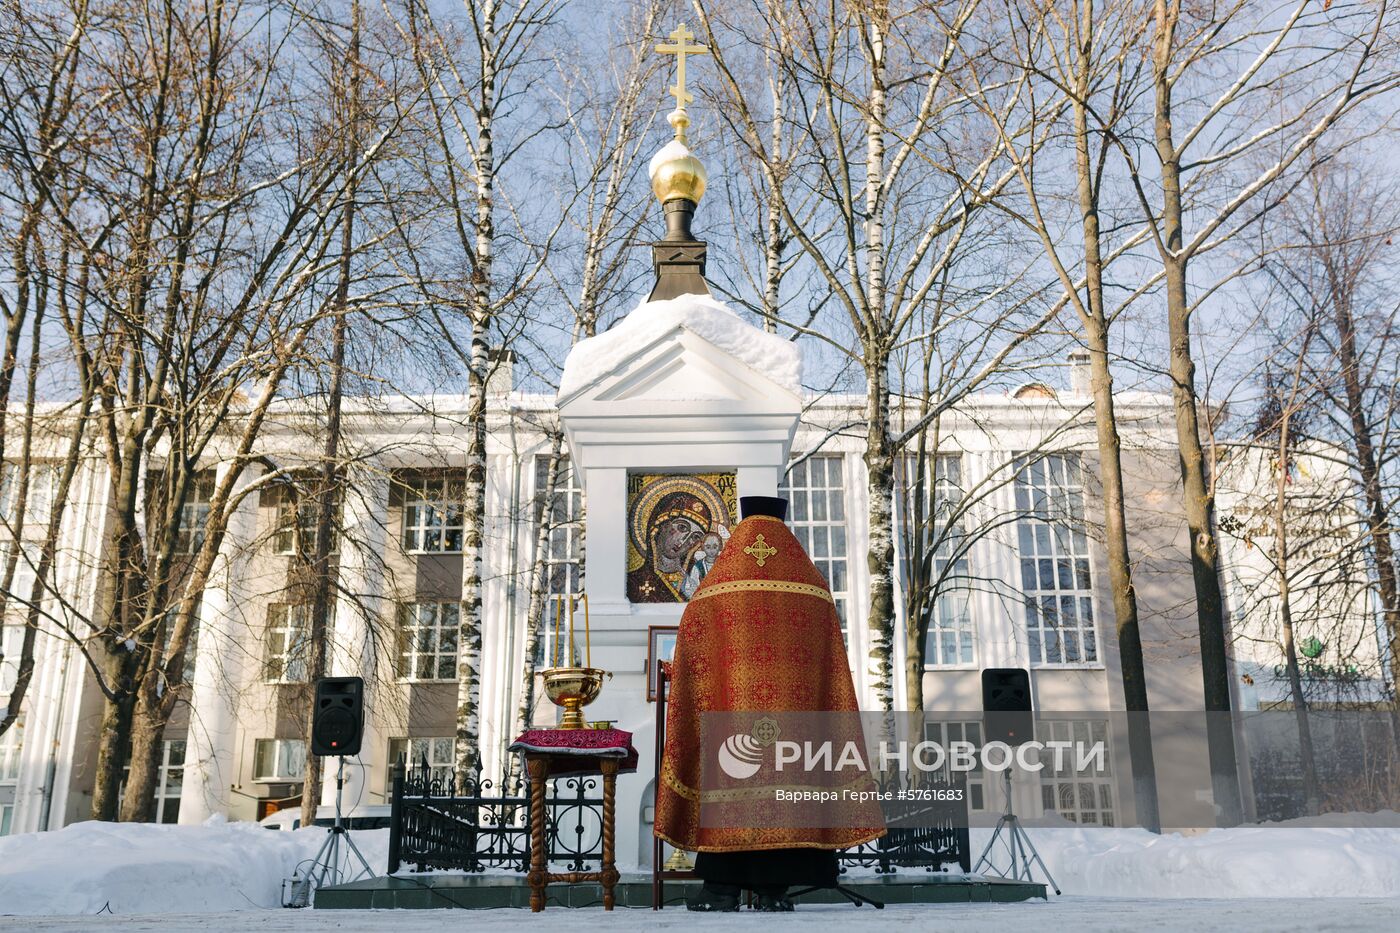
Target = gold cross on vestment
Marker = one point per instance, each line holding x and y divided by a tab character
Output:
680	48
760	550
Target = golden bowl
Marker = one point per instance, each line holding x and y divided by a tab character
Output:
573	688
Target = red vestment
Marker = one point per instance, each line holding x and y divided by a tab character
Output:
761	634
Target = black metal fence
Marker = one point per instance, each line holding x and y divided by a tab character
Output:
927	829
434	824
927	847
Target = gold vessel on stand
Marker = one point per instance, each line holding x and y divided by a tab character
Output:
573	688
571	685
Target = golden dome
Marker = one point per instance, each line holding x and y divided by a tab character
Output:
675	172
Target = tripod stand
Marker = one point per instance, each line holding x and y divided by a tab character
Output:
328	857
1018	844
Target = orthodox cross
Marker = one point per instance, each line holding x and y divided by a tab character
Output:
760	550
680	47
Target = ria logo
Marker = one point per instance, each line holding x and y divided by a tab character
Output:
741	755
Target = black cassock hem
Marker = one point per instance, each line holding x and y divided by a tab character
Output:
814	867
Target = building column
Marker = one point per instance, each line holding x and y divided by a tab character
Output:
223	640
758	481
358	613
53	705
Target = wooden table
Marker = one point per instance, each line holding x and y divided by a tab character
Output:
539	766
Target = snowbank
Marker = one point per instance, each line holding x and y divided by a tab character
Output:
136	868
591	359
133	868
1241	862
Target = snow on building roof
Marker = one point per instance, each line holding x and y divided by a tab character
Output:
592	359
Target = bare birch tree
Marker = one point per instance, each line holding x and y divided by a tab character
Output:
877	91
199	204
329	495
607	202
472	68
1337	264
1089	55
1214	168
40	99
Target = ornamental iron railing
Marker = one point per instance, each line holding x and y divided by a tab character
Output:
438	823
927	828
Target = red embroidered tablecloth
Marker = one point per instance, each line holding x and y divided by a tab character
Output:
561	744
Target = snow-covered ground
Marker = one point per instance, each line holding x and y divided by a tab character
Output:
1256	861
142	869
1079	914
145	868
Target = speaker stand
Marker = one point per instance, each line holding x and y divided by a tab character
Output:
1018	845
328	857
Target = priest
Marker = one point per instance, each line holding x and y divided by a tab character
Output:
761	634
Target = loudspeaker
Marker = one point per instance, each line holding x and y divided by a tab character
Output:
1006	700
338	722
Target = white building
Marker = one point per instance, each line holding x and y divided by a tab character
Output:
685	393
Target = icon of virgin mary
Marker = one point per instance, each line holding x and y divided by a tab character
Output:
669	519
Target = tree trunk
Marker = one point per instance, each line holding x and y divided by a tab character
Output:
112	741
1120	568
1120	578
1379	526
147	744
879	452
1197	499
1311	788
539	598
329	500
919	494
1199	506
482	312
879	463
468	739
120	655
773	235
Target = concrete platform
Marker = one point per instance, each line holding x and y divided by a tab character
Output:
634	890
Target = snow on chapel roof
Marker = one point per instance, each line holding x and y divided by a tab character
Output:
768	354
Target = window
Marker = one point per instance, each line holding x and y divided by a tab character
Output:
428	640
297	512
949	640
191	643
1083	797
288	628
11	643
816	494
279	759
438	751
1055	580
43	486
170	779
7	812
194	514
562	559
945	733
10	745
433	514
26	566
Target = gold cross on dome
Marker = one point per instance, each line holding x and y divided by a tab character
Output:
760	550
680	48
